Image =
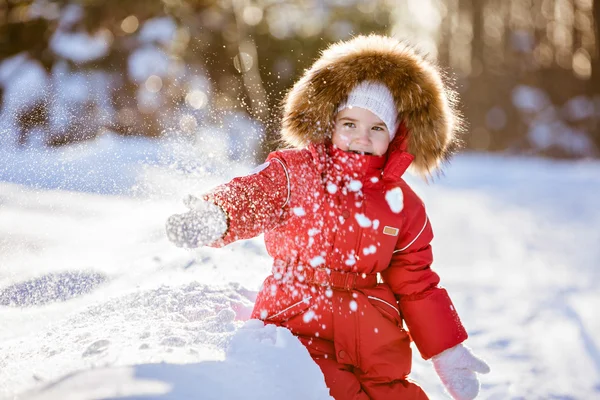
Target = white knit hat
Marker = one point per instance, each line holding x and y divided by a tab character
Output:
377	98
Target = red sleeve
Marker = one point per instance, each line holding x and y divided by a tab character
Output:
427	310
253	203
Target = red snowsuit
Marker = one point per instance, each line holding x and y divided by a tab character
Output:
347	269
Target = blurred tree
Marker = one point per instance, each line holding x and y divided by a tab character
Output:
594	87
528	72
170	65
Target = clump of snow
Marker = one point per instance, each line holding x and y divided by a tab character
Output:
264	361
354	185
353	305
370	250
331	187
299	211
362	220
395	199
316	261
308	316
351	260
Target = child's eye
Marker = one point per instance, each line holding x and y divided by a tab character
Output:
378	128
350	124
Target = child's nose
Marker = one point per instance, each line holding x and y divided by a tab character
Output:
363	134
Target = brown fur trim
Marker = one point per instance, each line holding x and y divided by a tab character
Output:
424	102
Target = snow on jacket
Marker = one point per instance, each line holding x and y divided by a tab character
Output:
322	209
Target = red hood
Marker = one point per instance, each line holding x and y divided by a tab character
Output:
398	158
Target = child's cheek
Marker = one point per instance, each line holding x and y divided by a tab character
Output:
344	137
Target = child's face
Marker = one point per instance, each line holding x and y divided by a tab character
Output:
360	131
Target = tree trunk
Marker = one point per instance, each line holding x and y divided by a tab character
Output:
594	85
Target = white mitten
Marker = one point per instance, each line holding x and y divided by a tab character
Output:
456	368
205	223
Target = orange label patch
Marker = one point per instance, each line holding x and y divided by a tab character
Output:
390	230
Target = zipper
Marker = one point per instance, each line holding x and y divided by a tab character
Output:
357	254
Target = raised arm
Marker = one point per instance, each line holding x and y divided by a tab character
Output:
240	209
253	203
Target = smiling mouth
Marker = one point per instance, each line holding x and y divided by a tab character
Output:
362	153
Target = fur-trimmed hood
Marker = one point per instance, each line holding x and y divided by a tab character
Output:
425	105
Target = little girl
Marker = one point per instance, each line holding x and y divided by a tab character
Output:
350	240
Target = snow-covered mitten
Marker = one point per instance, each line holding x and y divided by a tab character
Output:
205	223
456	368
192	202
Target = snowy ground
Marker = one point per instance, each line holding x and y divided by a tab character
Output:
95	303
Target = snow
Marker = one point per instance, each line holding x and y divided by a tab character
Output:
308	316
80	47
96	303
369	250
354	185
331	187
395	199
70	15
579	108
353	305
556	133
363	220
158	30
529	99
299	211
64	93
351	260
147	61
24	81
316	261
255	354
